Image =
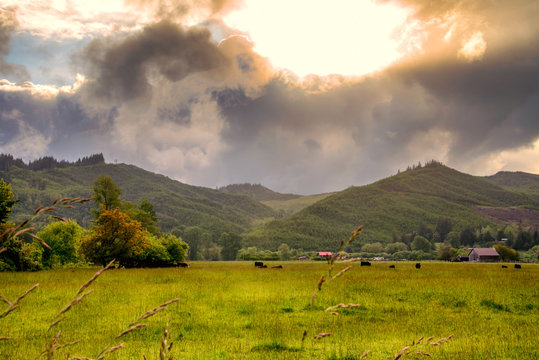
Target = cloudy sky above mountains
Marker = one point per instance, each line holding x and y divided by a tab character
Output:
301	96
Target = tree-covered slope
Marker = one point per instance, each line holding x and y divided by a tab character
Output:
256	192
176	204
516	181
395	205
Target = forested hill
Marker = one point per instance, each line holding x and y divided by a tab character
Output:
176	204
392	207
516	181
256	192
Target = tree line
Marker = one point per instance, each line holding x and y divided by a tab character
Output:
7	162
121	230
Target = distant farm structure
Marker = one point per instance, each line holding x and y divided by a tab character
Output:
484	255
324	254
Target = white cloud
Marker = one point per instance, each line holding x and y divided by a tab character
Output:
473	48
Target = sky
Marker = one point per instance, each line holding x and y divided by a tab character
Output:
301	96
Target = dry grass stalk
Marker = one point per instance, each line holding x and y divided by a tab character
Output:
73	303
340	273
4	338
304	336
154	311
14	305
419	351
400	352
164	352
321	336
136	325
341	306
96	275
53	346
131	329
111	350
367	352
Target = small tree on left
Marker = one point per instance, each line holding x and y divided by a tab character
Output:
6	201
63	239
115	236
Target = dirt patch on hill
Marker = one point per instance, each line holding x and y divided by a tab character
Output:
527	217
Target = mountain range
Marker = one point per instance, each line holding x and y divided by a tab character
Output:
387	208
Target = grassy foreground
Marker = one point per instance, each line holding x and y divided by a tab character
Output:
235	311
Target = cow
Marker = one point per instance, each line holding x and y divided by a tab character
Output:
391	266
418	266
259	264
277	267
182	264
517	266
365	263
504	266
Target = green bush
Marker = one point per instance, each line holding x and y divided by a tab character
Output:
64	239
165	250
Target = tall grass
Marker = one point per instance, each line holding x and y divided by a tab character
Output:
230	310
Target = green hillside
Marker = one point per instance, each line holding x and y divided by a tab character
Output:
290	206
176	204
516	181
284	204
395	205
256	192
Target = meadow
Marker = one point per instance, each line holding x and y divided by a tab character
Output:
231	310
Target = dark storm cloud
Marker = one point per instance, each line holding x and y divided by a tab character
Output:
58	122
488	103
8	23
121	70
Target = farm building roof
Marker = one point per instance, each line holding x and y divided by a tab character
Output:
485	251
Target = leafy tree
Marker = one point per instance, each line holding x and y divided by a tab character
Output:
373	248
231	244
446	253
192	235
454	239
467	237
106	192
507	254
284	251
443	227
115	236
421	243
63	238
396	246
6	201
424	230
144	213
210	251
17	255
164	250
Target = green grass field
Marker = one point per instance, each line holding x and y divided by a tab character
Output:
231	310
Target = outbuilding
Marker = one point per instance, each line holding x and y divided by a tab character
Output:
484	255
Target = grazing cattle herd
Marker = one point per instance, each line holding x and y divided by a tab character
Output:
260	264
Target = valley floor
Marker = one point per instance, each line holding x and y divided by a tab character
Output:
231	310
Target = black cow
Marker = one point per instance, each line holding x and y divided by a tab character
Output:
277	267
182	264
418	266
517	266
391	266
504	266
365	263
259	264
